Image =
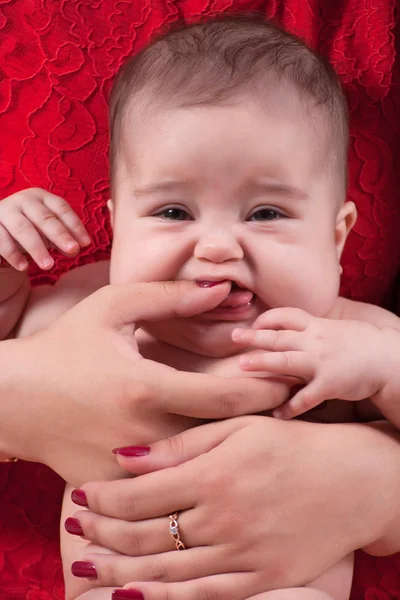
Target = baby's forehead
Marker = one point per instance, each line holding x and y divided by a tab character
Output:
275	121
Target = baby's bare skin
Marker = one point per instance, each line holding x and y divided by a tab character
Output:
46	303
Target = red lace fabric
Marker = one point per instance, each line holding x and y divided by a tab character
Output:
57	60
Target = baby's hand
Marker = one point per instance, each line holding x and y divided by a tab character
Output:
334	359
33	219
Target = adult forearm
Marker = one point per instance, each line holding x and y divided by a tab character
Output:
12	381
14	294
387	399
380	445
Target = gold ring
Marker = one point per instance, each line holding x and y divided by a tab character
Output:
174	531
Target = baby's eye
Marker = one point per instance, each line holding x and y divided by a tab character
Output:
266	214
174	214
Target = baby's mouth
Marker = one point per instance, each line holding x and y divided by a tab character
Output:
238	296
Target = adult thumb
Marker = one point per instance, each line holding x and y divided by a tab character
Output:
119	305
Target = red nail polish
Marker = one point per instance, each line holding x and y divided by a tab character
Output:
79	497
127	595
73	526
132	450
81	568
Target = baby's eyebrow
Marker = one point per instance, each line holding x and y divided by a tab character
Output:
149	189
282	189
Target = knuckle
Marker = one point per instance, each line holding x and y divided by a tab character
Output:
287	361
128	504
175	444
109	571
208	593
63	208
137	398
48	217
229	403
157	571
35	191
20	225
306	401
278	339
130	543
5	245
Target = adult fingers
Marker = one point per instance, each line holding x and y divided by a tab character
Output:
231	586
283	318
303	593
103	593
120	305
172	566
138	538
149	496
177	449
204	396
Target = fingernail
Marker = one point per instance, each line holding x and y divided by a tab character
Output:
71	245
81	568
47	262
79	498
127	595
245	361
22	265
132	451
73	526
237	334
86	240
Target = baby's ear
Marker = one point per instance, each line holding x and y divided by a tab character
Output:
110	207
345	221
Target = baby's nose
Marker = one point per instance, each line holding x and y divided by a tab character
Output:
218	248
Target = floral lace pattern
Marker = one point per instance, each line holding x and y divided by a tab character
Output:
57	61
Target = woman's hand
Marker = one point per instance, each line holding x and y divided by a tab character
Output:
262	504
72	392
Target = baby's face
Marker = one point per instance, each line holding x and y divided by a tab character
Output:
228	193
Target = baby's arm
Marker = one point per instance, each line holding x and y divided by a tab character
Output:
352	356
29	221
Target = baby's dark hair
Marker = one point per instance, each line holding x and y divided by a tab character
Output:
211	62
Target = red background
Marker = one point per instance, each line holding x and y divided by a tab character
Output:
57	61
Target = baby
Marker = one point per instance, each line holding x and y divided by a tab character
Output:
228	164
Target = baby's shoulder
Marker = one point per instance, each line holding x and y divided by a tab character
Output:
47	303
345	309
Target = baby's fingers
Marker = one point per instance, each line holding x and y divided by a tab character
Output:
307	398
291	363
69	217
284	318
10	252
55	226
21	230
269	339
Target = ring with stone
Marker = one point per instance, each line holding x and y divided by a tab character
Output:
174	531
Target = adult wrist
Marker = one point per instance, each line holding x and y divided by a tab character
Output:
15	422
371	455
